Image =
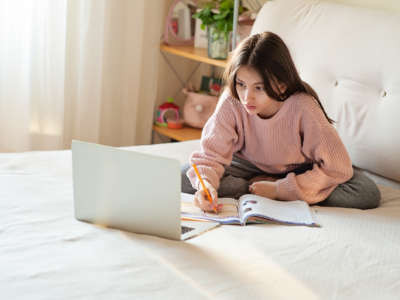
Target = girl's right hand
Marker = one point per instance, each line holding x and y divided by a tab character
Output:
201	200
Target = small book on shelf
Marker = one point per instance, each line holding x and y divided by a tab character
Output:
251	209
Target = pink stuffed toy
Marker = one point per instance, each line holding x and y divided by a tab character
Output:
198	108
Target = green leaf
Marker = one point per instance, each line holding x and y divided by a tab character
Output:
222	15
227	4
222	20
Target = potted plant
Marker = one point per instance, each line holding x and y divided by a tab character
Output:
217	17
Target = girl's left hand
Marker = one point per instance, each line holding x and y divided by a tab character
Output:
264	188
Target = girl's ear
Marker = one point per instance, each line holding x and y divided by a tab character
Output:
282	87
278	86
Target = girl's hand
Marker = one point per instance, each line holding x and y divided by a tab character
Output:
201	200
264	188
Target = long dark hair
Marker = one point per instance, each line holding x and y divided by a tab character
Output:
268	54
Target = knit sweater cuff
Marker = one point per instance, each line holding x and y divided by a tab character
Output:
205	180
286	189
213	180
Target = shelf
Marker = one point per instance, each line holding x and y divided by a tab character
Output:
197	54
184	134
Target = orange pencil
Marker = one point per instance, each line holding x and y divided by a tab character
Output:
204	187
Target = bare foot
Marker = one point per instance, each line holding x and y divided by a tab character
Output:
263	178
264	188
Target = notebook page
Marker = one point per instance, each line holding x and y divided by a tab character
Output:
229	209
291	212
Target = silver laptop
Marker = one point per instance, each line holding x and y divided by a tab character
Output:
129	190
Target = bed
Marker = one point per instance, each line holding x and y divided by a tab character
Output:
350	56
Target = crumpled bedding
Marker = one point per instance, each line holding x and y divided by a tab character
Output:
46	254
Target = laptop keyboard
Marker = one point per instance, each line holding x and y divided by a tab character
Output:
185	229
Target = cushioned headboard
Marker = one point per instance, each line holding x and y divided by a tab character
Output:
351	57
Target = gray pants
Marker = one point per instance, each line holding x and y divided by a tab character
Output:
359	192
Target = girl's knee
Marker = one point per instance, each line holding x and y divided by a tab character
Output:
369	191
373	195
359	192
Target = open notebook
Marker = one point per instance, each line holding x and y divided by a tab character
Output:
251	209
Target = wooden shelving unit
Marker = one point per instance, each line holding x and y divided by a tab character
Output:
200	55
196	54
190	52
184	134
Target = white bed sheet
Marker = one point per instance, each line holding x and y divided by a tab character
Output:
46	254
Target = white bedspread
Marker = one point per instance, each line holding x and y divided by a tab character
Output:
46	254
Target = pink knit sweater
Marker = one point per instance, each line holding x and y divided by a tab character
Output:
297	134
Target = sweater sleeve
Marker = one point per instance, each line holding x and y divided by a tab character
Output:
218	140
323	146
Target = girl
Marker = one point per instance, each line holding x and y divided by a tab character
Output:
271	136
